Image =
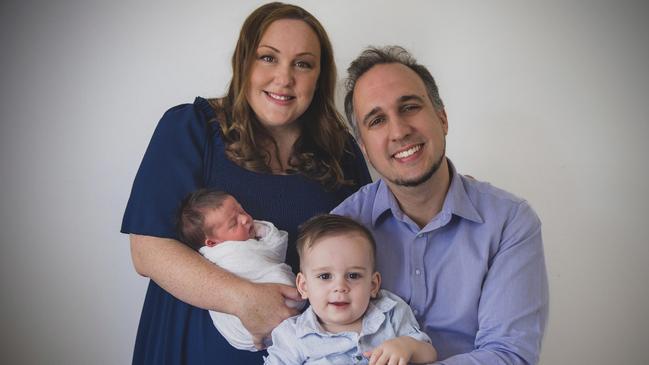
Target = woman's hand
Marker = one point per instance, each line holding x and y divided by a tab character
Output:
263	307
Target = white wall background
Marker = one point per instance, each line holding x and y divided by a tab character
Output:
549	100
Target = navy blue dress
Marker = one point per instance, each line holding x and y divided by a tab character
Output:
185	153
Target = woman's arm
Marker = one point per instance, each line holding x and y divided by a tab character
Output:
189	277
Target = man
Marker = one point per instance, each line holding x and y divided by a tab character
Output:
466	256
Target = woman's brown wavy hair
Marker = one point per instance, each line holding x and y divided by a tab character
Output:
319	149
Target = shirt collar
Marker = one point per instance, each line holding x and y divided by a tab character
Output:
457	200
308	324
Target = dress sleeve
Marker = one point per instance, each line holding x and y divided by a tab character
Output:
171	168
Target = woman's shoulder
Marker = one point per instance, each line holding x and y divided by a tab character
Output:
201	109
188	118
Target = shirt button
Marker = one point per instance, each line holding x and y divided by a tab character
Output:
417	272
416	312
358	357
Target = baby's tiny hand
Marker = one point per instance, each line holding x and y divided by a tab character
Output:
393	351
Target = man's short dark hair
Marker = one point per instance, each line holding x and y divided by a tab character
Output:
373	56
191	215
327	225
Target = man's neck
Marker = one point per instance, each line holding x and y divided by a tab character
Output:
422	202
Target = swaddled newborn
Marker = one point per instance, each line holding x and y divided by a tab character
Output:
215	224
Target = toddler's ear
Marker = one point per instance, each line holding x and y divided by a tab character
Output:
376	284
300	283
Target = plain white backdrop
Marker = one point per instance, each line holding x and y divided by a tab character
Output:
548	100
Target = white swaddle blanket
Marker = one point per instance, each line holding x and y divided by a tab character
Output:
258	260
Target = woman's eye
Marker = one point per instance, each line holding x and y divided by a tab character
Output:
325	276
267	58
303	64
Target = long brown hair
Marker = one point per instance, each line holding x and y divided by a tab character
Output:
319	149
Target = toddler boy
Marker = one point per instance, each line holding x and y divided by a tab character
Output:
350	321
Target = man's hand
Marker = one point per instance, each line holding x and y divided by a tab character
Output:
263	307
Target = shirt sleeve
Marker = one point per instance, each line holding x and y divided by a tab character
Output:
285	349
513	307
172	167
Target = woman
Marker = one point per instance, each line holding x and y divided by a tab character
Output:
277	144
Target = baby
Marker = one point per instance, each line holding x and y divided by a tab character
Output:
213	222
350	321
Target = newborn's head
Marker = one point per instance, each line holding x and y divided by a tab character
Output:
208	217
229	222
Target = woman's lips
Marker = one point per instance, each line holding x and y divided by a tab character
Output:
281	99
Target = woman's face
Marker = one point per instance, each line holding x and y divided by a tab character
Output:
284	74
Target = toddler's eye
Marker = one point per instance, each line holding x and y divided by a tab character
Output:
354	275
325	276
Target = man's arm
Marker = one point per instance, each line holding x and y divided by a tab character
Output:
189	277
513	305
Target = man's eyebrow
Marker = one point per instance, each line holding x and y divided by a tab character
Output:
410	97
401	99
278	51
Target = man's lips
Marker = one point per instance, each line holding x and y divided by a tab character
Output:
408	152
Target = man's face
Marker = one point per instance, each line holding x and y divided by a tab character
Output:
402	134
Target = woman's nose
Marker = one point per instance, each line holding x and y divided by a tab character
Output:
283	75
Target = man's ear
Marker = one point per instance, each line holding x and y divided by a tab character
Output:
362	146
376	284
442	115
300	283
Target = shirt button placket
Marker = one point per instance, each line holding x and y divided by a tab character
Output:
419	289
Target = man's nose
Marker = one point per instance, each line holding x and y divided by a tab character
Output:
399	128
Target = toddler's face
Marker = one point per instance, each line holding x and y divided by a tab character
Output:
228	223
338	279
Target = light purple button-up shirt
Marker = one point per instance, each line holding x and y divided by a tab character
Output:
474	275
